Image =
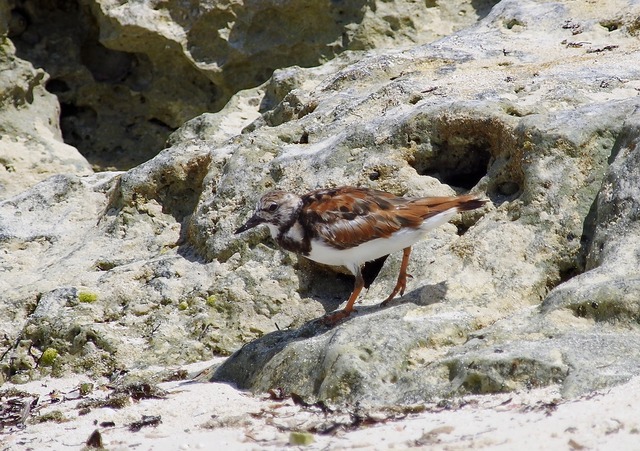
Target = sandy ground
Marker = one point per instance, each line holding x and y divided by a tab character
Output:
217	416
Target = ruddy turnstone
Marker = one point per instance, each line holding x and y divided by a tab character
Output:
354	227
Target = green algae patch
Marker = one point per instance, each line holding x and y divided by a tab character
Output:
87	297
300	439
48	357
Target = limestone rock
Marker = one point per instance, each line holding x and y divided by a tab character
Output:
536	131
31	147
534	107
609	289
129	73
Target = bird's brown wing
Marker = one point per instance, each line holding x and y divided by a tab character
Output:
346	217
429	206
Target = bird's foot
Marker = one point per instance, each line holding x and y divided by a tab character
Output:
333	318
401	285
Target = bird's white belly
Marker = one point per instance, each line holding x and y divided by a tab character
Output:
370	250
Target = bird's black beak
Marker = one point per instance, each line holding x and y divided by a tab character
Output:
250	224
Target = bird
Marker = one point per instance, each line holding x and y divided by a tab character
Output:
354	227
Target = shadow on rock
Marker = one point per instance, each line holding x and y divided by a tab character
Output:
246	364
257	364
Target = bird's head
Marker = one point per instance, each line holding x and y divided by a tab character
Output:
276	209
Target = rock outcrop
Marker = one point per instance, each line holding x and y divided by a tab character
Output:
31	146
535	106
129	73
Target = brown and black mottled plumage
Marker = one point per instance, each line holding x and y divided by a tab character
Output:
354	227
346	217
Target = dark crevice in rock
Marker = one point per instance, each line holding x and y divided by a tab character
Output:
460	166
577	265
604	304
463	150
57	86
586	238
104	92
106	65
565	273
462	228
580	263
483	7
506	183
569	273
461	172
161	124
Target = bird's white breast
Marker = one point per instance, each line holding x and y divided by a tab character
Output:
352	258
295	232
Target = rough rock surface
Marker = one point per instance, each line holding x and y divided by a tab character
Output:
535	106
31	147
129	73
548	133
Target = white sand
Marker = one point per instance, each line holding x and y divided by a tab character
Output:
217	416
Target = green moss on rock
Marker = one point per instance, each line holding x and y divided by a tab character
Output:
300	438
48	357
87	297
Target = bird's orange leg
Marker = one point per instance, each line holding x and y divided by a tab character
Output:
346	311
401	285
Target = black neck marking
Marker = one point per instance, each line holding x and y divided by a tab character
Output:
299	246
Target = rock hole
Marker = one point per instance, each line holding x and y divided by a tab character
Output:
106	65
304	138
462	228
159	123
568	273
74	119
509	24
508	188
611	25
104	265
459	162
57	86
414	139
18	23
62	38
501	190
587	237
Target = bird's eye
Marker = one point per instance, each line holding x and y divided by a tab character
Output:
272	207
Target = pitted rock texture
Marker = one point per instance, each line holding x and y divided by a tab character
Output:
31	147
494	308
129	73
535	107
